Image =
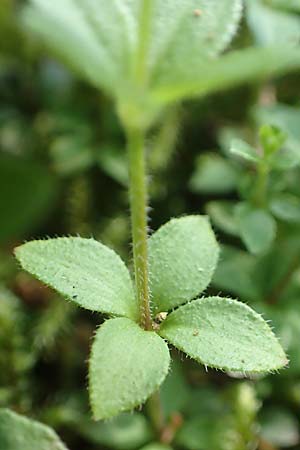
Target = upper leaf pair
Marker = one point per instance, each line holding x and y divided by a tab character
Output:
106	41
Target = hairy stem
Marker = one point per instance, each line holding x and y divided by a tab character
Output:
138	207
139	198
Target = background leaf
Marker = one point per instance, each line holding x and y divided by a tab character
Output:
244	151
271	26
20	433
24	183
126	432
235	68
256	226
279	427
84	271
285	117
213	175
127	365
183	255
286	207
224	334
222	216
234	273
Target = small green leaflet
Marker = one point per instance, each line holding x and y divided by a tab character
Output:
244	151
84	271
224	334
213	175
183	255
127	365
286	207
20	433
221	215
235	273
257	227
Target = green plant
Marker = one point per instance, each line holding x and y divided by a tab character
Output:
155	54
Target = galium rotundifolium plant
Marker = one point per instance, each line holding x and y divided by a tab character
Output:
148	54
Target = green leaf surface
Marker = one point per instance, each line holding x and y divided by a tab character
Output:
286	207
82	270
279	427
207	431
127	365
113	162
234	273
183	255
286	118
20	433
71	155
256	226
175	392
213	175
224	334
237	67
222	216
244	151
27	194
271	26
126	432
96	39
272	139
186	34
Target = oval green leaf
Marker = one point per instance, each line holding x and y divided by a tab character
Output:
224	334
213	175
20	433
82	270
183	255
186	34
256	226
127	365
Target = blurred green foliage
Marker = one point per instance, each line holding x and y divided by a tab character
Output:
63	171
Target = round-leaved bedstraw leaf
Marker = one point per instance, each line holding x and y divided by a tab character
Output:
224	334
183	255
127	365
82	270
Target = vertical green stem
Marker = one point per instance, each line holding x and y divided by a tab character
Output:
260	192
144	39
155	412
138	206
139	197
